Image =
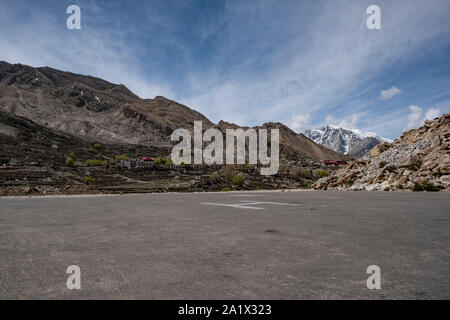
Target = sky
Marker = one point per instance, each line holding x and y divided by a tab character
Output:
302	63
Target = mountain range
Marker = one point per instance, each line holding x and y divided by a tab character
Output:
345	140
96	110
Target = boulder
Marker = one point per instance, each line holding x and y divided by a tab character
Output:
379	148
445	180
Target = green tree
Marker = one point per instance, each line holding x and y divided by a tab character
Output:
322	173
89	180
70	162
238	180
122	157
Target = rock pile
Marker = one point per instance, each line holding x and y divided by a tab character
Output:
418	161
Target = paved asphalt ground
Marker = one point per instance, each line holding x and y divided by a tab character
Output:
293	245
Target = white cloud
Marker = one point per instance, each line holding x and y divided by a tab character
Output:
416	117
432	113
389	93
353	123
300	123
104	53
318	61
307	71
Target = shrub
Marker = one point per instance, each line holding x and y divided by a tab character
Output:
238	180
382	164
91	149
70	162
122	157
159	161
225	189
213	177
428	186
305	174
168	161
89	180
96	163
322	173
96	146
72	155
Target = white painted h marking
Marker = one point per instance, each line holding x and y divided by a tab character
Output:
248	204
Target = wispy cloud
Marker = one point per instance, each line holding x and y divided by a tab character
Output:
416	117
389	93
249	62
43	40
316	72
300	123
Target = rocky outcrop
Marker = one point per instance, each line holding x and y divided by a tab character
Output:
418	161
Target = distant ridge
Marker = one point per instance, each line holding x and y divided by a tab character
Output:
345	140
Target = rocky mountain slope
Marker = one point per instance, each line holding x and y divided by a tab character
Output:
89	107
419	160
98	111
344	140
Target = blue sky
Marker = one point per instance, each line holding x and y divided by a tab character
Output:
303	63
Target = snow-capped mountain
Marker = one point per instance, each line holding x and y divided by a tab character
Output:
345	140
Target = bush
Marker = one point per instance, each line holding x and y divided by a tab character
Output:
72	155
89	180
168	162
159	161
122	157
96	163
225	189
427	186
91	149
213	177
322	173
306	174
96	146
70	162
382	164
238	180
